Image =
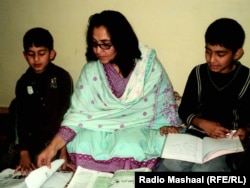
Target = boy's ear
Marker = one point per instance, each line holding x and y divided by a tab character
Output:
52	55
25	55
238	54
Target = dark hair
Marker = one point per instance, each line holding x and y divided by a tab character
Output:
225	32
38	37
122	36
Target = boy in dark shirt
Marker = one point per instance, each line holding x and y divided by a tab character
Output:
216	97
42	97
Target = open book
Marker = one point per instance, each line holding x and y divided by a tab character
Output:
85	178
191	148
42	177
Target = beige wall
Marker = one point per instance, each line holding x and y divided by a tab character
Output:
175	28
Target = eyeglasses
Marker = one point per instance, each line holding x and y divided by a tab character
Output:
102	46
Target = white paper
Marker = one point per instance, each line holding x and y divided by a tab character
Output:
194	149
10	180
39	176
85	178
58	180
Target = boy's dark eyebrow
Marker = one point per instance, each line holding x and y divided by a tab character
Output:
38	50
217	51
221	51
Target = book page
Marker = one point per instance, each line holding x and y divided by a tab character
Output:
40	175
10	180
216	147
58	180
123	179
183	147
85	178
126	178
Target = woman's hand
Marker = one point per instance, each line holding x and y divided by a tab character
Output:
67	165
45	157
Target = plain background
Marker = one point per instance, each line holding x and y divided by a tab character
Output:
175	28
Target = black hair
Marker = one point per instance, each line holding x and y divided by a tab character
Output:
38	37
122	36
225	32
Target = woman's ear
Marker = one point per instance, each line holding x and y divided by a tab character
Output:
238	54
52	55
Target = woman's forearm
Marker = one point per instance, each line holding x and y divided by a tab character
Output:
57	143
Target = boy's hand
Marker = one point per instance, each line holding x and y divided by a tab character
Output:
242	133
25	164
211	128
169	129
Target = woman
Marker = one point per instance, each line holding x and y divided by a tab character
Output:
121	99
